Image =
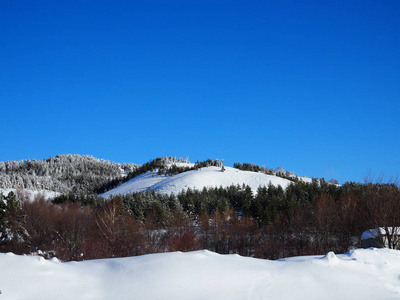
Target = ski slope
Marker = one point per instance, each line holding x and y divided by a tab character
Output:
204	177
359	274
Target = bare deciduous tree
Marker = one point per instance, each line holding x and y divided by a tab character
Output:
381	206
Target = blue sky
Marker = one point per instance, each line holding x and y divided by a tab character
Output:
312	86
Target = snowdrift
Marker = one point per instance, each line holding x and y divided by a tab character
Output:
205	177
358	274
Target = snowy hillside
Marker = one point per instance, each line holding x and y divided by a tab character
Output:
358	274
64	173
197	179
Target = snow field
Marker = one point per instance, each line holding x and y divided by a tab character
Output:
31	194
358	274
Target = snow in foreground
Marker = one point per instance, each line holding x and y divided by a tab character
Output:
358	274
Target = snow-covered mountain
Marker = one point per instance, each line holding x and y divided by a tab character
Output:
197	179
358	274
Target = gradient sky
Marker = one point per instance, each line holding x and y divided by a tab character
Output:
312	86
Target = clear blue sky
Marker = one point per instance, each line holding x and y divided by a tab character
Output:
312	86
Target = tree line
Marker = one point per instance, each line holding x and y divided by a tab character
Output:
303	219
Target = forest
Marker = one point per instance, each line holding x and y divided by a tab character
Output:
303	219
68	173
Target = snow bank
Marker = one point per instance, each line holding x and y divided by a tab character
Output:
358	274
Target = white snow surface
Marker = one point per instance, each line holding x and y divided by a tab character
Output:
31	194
374	233
204	177
358	274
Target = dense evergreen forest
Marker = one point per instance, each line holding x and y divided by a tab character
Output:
305	218
70	173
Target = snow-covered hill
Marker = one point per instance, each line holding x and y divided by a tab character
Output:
358	274
197	179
